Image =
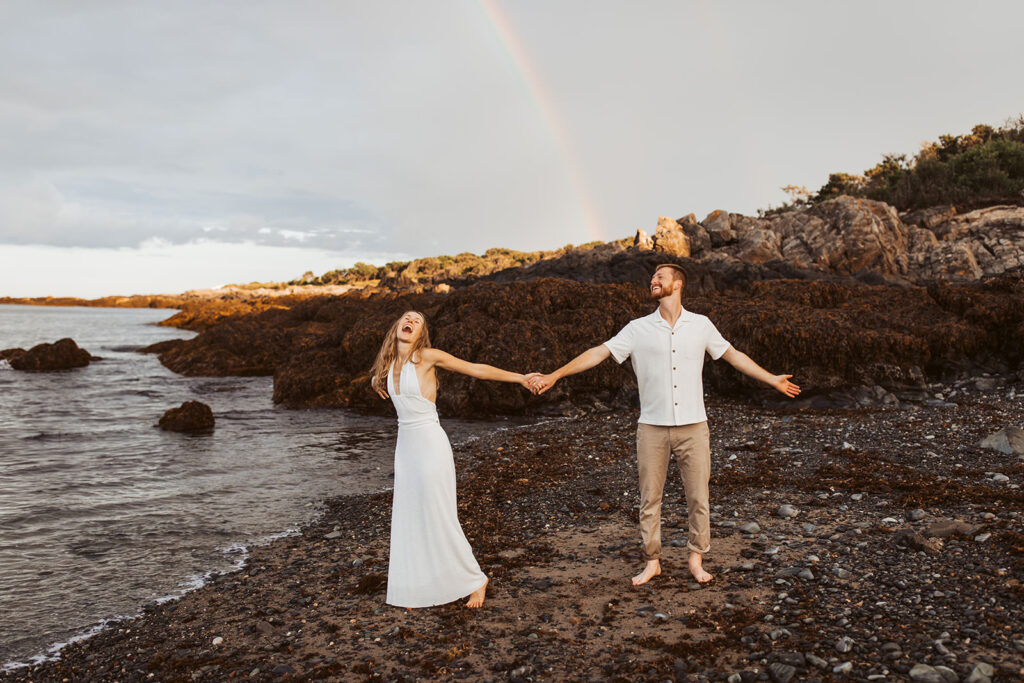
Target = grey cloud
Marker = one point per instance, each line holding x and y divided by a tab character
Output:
415	127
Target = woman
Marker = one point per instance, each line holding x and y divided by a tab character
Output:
431	562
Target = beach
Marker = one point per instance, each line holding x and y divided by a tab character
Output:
861	582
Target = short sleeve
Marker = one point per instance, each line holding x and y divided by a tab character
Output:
716	344
621	345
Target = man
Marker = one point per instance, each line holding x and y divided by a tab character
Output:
667	351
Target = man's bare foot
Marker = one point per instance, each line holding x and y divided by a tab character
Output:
697	568
476	598
652	569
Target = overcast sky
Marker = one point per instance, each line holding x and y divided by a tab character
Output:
163	146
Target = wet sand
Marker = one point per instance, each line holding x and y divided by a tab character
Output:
843	590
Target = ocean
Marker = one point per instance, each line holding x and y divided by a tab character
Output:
101	511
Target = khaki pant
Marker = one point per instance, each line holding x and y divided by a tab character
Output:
692	447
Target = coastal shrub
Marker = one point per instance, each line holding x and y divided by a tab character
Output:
980	168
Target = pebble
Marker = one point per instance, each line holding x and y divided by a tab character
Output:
809	528
774	550
781	673
254	673
981	673
981	538
218	640
358	562
786	511
844	668
751	528
815	660
734	678
857	496
806	574
333	534
840	573
916	515
844	644
998	476
778	633
661	616
890	520
948	675
925	674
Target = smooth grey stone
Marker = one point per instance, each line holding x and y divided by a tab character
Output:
786	511
751	528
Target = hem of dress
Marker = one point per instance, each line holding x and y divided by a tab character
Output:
458	596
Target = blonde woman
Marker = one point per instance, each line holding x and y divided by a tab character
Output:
431	562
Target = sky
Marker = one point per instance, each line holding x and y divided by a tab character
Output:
154	147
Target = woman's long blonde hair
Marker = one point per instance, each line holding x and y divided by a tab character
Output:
389	351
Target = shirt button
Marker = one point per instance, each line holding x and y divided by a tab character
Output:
677	404
673	367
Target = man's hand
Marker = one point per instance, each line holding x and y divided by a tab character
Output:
528	381
782	383
541	383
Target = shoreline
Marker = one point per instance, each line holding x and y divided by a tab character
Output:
549	510
196	581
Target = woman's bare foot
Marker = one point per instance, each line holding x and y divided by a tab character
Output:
652	569
476	598
697	568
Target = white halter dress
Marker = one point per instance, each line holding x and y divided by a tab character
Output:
431	561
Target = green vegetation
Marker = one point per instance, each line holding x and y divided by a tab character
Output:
437	268
981	168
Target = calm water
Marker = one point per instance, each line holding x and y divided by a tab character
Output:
100	511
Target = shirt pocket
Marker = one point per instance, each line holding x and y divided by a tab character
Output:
692	348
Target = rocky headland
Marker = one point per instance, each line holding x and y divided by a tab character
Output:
859	303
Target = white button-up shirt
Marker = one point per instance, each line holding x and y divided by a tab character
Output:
668	362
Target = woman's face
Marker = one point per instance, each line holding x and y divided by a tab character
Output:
410	326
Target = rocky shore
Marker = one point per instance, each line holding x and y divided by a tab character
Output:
872	544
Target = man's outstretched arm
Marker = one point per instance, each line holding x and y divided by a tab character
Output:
747	366
584	361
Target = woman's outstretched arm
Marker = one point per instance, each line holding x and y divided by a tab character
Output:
447	361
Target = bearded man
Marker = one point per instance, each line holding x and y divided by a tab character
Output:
667	350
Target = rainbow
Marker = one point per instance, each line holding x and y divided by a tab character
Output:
545	103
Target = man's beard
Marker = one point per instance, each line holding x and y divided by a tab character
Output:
660	294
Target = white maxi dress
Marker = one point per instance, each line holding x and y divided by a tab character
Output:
431	562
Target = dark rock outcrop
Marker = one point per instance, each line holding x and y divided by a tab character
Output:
830	334
189	417
63	354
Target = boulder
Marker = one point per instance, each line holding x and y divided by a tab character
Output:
758	246
63	354
933	218
670	238
700	240
190	416
843	235
719	227
643	240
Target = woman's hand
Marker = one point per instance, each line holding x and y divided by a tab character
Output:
525	380
382	394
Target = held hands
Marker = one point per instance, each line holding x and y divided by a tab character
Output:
782	383
541	383
528	381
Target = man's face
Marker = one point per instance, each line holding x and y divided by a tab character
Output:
663	284
410	327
